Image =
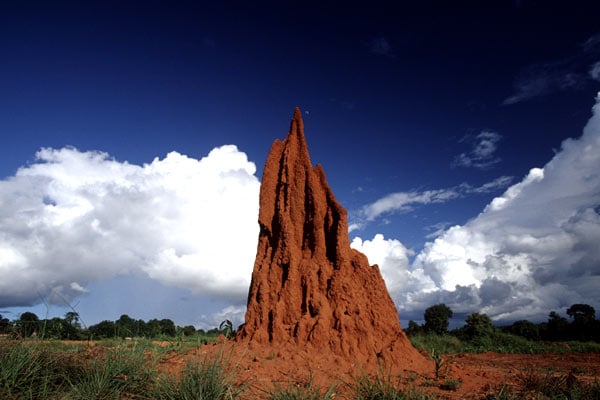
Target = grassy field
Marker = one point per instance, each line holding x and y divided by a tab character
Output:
120	369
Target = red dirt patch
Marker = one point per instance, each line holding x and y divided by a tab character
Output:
478	375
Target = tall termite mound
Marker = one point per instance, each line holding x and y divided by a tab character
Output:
309	288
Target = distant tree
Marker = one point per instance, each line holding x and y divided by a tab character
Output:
4	325
413	328
584	321
188	330
436	319
55	328
478	326
72	318
524	328
28	324
581	313
556	328
126	326
102	330
153	328
167	327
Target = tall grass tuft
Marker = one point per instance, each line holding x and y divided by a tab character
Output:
123	370
29	372
208	379
381	387
301	391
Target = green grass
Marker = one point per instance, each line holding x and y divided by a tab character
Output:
122	370
302	391
52	370
383	387
499	342
29	372
208	379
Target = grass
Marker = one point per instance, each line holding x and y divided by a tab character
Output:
499	342
382	387
51	370
29	372
208	379
302	391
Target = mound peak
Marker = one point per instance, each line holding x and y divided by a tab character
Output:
309	287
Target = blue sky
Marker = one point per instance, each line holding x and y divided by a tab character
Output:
134	137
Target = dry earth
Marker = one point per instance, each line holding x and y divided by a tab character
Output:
479	374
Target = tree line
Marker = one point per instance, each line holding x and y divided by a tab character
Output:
70	328
582	325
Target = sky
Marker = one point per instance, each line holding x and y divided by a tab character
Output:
464	141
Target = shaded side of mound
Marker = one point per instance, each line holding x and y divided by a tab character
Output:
309	289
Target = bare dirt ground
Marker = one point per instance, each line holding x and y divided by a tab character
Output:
478	375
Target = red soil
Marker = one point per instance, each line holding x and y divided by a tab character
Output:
264	367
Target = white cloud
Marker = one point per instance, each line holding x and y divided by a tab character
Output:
392	257
481	155
406	201
532	250
595	71
72	218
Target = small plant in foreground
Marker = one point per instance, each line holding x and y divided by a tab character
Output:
438	360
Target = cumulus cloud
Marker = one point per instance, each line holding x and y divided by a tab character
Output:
72	218
481	155
533	249
406	201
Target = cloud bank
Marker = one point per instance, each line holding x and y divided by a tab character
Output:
531	250
72	218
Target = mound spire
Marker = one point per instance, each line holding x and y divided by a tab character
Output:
309	288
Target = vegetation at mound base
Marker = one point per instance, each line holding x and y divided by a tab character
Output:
582	326
36	369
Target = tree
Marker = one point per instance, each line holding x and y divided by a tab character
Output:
167	327
584	321
104	329
72	318
126	326
556	327
28	324
478	326
413	328
4	325
524	328
436	319
188	330
581	313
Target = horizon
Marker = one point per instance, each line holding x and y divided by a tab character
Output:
462	141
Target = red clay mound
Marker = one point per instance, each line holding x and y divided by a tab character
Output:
310	292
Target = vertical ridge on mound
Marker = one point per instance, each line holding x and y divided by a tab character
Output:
309	288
